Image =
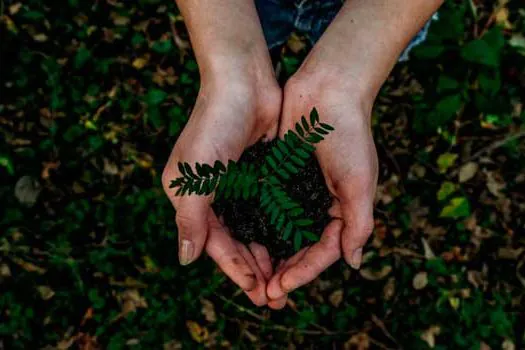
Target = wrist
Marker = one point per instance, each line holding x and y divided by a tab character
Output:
332	87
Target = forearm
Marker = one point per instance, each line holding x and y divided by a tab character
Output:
364	41
226	36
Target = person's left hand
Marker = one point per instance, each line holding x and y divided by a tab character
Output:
348	161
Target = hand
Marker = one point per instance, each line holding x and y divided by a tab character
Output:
348	161
229	115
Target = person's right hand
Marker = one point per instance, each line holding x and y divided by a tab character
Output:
232	112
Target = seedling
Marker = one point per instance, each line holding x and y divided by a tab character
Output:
241	180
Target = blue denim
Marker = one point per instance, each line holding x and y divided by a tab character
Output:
279	18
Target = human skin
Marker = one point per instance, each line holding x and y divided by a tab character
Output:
340	77
238	104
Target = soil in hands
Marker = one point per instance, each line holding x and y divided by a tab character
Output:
248	222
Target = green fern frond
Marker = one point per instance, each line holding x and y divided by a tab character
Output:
231	181
285	159
285	214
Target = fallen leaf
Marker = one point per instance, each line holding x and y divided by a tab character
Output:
454	302
389	290
458	207
41	37
509	253
517	41
5	271
336	297
508	345
468	171
208	310
446	189
502	18
420	280
131	300
429	254
198	333
119	20
140	62
172	345
495	184
375	275
27	190
29	267
445	161
429	336
359	341
47	167
13	9
45	292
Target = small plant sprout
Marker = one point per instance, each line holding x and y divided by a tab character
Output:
241	180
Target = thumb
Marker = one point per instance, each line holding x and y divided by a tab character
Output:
192	224
359	224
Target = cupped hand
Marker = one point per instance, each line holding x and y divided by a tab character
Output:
348	160
229	115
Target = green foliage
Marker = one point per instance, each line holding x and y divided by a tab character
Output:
235	181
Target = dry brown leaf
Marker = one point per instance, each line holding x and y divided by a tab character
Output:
140	62
172	345
198	333
30	267
502	18
13	9
5	271
41	37
208	310
336	297
45	292
510	253
375	275
495	184
359	341
429	254
429	336
47	167
508	345
468	171
131	300
420	280
389	290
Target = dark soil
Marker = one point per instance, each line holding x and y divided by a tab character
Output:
249	223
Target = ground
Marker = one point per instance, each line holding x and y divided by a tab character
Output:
93	95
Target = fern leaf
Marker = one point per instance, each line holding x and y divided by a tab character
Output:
327	127
314	116
299	129
305	124
297	240
310	236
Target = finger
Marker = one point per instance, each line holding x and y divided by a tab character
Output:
335	210
192	224
221	247
317	259
274	289
258	294
359	224
262	258
278	304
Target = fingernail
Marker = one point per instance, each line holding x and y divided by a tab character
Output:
356	258
185	252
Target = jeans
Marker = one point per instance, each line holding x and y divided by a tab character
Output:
279	18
